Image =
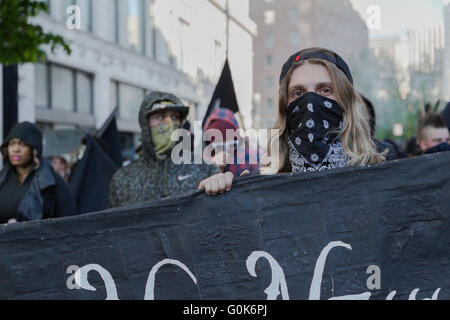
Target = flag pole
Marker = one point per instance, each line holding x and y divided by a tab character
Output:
227	9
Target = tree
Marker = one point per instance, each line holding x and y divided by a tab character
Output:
21	41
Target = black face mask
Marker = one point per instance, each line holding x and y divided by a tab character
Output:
443	147
313	123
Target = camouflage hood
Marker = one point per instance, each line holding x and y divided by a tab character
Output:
152	103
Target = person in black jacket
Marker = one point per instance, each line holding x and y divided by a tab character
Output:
393	152
29	188
446	115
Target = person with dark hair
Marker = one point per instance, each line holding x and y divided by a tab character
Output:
29	188
412	148
322	122
60	166
446	115
372	115
393	152
433	134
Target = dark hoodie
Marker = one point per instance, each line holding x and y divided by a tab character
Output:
46	195
149	177
446	115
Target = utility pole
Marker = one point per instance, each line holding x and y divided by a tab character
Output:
227	11
1	103
10	97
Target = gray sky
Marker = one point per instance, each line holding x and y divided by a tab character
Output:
397	16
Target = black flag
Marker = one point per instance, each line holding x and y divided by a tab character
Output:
110	139
224	95
93	173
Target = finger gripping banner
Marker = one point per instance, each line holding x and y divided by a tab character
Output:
378	232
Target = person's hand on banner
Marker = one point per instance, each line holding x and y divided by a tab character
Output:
219	183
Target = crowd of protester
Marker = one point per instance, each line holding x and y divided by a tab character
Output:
323	123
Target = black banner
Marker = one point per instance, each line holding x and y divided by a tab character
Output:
380	232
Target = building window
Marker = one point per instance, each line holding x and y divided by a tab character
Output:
269	40
154	42
294	15
128	98
269	17
269	60
131	24
112	21
114	94
41	80
184	30
61	88
84	94
270	83
294	38
269	103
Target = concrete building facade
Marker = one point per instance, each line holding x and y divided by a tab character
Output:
287	26
446	92
127	48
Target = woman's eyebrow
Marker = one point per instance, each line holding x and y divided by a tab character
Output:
296	87
324	84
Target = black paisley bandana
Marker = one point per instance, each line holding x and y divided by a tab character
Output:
313	122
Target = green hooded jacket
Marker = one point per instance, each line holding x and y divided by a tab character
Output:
150	178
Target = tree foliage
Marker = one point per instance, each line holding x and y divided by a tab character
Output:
21	41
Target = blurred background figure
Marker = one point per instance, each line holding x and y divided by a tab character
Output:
393	152
231	155
433	134
29	189
61	167
446	115
412	148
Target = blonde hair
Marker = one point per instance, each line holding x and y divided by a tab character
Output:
355	133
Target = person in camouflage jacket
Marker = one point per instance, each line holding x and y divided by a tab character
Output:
153	175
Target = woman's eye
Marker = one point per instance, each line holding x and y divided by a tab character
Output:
297	93
326	90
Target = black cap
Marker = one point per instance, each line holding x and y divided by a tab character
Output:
319	54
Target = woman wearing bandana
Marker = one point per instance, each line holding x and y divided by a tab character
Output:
322	121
